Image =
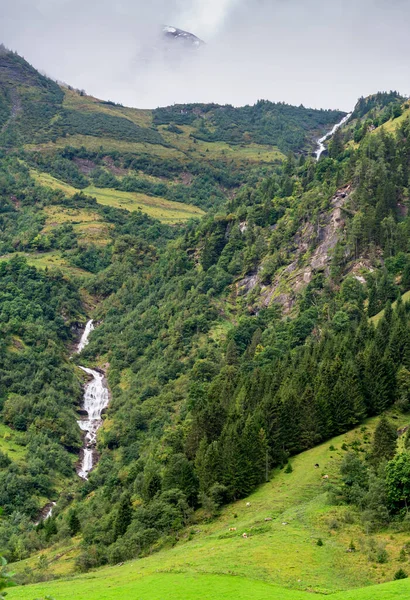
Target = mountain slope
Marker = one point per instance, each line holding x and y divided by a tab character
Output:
231	343
279	555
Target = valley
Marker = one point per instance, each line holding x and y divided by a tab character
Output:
204	346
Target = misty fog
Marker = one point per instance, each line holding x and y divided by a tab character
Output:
321	53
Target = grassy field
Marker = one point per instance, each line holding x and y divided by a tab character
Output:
89	104
213	561
50	260
159	208
181	149
88	225
9	443
95	144
122	584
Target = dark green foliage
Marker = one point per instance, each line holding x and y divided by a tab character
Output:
400	574
398	482
104	125
379	100
280	125
29	101
6	576
74	523
123	518
38	390
384	441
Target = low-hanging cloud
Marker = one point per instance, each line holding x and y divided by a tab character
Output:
322	53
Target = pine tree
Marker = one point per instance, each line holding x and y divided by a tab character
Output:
232	354
124	516
309	428
208	465
74	523
384	441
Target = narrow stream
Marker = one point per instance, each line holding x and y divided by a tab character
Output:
321	142
96	399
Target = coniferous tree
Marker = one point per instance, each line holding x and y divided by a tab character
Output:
74	523
123	517
384	441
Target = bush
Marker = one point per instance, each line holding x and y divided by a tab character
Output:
400	574
319	542
289	468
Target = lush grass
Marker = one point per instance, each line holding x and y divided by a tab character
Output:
50	260
159	208
394	590
210	559
9	443
89	104
88	224
252	153
95	144
129	583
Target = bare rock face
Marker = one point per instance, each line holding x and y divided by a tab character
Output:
294	277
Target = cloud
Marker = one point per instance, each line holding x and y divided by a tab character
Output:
206	18
322	53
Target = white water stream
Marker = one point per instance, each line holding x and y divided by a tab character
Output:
321	142
96	399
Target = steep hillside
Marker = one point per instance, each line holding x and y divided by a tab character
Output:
190	149
232	341
280	556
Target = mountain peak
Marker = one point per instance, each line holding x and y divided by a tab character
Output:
185	37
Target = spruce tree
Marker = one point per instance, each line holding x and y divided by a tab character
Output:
124	516
232	354
74	523
384	441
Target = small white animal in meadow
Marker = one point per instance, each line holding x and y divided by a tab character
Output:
248	504
244	535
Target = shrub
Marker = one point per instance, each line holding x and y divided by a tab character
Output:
400	574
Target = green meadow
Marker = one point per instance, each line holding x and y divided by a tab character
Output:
279	557
159	208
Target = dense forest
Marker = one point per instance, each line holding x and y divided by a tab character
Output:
233	342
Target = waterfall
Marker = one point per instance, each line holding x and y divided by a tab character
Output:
84	338
46	513
320	142
96	399
49	512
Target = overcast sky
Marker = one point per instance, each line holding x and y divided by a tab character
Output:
321	53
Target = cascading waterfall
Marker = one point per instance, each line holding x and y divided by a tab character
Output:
321	142
96	399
